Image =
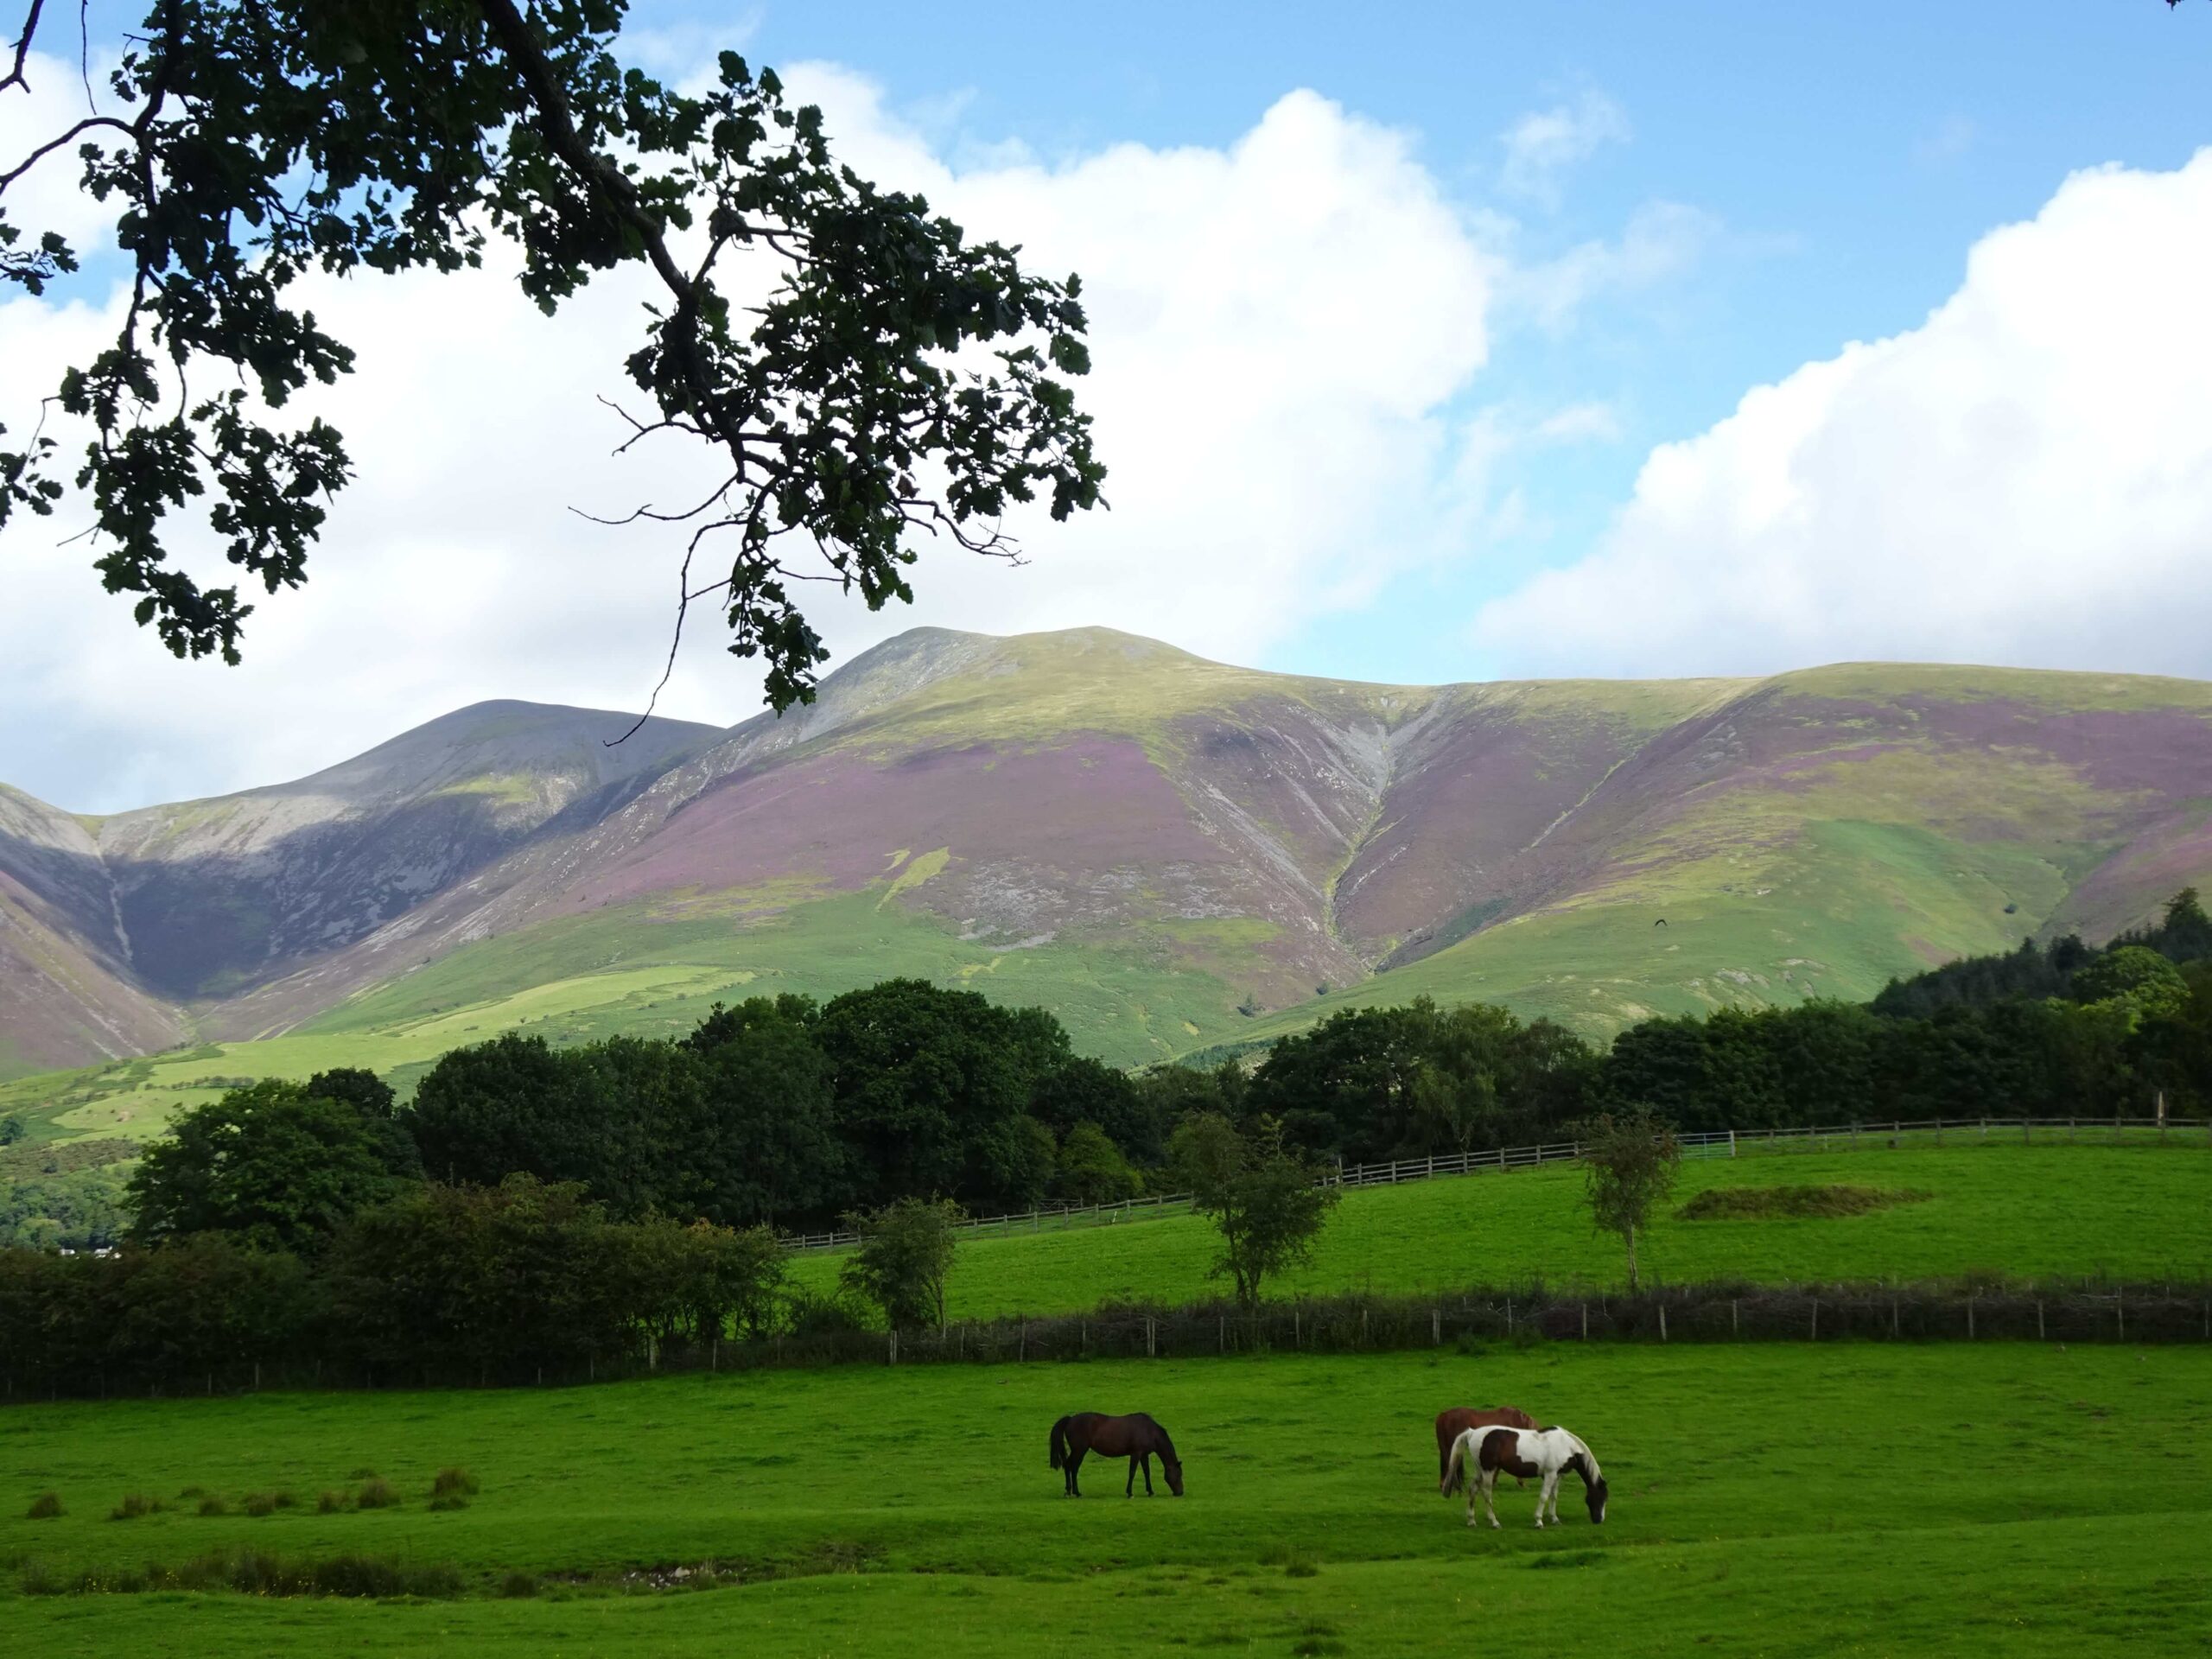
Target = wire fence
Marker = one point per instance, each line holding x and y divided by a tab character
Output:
1890	1134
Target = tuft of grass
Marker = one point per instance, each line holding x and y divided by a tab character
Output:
1795	1203
214	1504
375	1493
450	1501
361	1474
453	1483
517	1586
191	1492
47	1506
1290	1558
135	1505
259	1505
330	1502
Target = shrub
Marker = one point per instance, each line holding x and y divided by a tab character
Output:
1792	1203
134	1505
213	1504
375	1493
47	1506
453	1483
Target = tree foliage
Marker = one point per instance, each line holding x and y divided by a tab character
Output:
272	1164
903	1260
1630	1159
1264	1199
893	377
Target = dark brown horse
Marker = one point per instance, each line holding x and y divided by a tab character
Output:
1451	1424
1135	1437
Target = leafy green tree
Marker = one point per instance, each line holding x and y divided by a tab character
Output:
1091	1169
2133	976
12	1128
1630	1159
1265	1201
852	367
933	1091
507	1106
903	1260
1347	1087
766	1149
270	1163
1083	1090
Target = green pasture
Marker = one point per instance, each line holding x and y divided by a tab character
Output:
1995	1209
1773	1500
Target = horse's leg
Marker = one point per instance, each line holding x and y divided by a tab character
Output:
1548	1495
1146	1460
1075	1462
1130	1490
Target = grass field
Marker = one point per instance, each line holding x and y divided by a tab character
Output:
2000	1210
1772	1500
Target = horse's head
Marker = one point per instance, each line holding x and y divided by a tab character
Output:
1595	1494
1172	1468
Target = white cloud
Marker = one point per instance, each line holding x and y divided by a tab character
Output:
1661	239
1544	144
1279	328
2027	479
1580	423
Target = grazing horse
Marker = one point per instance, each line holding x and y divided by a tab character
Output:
1135	1437
1449	1425
1480	1454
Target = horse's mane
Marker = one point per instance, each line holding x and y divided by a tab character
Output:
1166	1444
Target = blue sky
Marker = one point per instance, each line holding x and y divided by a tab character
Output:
1433	343
1848	155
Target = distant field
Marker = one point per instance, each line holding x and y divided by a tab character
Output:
2140	1212
2054	1501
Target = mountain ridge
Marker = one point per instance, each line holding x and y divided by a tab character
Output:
1179	851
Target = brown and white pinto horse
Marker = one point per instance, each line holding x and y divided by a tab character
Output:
1449	1425
1480	1455
1135	1437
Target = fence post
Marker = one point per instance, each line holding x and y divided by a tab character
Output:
1662	1321
2025	1124
2120	1307
714	1355
1731	1143
1150	1349
1816	1319
1586	1321
1222	1336
1970	1301
1435	1327
2038	1319
894	1349
1509	1317
1297	1334
1893	1315
1022	1340
1735	1318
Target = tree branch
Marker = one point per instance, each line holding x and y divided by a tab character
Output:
23	49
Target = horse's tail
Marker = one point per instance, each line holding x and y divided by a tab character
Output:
1455	1465
1059	1444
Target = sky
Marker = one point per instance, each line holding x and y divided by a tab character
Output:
1431	343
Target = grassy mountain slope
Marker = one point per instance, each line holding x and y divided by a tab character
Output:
1172	854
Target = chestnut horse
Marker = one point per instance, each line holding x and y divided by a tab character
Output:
1449	1425
1135	1437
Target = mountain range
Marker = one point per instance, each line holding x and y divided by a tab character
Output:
1172	854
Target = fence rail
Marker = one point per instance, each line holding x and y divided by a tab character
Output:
1885	1133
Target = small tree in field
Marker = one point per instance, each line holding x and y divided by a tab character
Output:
904	1259
1265	1200
1629	1163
